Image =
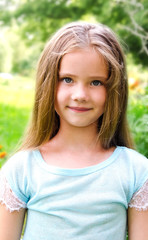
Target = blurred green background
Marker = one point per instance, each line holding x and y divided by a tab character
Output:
25	27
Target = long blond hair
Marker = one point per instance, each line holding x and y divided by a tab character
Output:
112	126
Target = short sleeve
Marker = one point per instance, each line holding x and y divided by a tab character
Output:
8	197
14	189
139	200
138	180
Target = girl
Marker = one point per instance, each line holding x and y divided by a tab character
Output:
76	174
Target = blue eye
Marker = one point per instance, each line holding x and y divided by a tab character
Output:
96	83
67	80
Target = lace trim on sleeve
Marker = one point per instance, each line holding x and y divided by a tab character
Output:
7	197
140	198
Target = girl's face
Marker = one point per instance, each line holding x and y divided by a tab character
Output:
81	92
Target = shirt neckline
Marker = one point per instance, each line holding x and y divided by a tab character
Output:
76	171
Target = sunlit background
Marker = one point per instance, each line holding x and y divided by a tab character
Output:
25	26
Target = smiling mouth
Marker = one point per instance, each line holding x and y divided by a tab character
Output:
79	109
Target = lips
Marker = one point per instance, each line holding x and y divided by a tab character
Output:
79	109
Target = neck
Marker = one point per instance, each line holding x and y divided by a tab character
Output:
78	138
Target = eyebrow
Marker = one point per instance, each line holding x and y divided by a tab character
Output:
73	75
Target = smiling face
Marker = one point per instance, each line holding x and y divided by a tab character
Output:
81	92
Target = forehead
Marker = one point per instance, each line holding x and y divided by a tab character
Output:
87	61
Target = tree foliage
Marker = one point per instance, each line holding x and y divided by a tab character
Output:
39	19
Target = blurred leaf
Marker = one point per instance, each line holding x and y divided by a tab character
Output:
39	19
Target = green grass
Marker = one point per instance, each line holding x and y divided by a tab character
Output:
12	124
138	119
16	100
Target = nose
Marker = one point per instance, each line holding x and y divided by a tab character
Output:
80	93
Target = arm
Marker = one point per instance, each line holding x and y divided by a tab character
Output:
137	224
11	224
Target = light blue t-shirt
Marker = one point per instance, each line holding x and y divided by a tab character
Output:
76	204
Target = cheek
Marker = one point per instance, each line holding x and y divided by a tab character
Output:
101	97
60	98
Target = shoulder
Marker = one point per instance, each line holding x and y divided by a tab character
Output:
18	161
133	157
17	172
19	166
135	166
24	166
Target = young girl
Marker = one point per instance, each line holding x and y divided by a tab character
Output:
76	175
